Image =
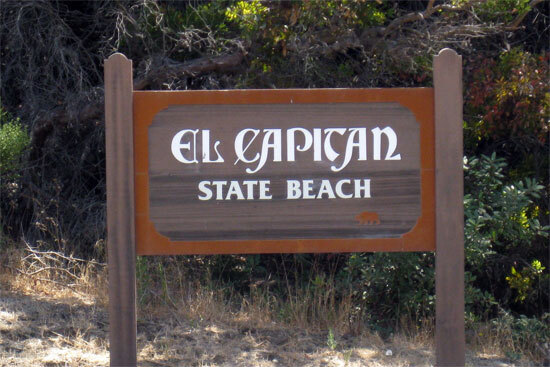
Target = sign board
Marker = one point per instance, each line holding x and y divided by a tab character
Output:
285	171
261	171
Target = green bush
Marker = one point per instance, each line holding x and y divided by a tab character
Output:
502	10
498	214
390	287
525	334
14	139
502	228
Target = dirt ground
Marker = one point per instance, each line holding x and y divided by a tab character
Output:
54	330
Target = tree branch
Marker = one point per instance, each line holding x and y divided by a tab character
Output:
413	17
517	21
165	68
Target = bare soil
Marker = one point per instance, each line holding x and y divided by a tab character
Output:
53	330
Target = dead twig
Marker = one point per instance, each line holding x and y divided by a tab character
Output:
59	255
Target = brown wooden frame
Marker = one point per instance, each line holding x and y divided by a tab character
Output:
418	100
121	103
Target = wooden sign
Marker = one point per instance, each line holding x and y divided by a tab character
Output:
304	170
285	171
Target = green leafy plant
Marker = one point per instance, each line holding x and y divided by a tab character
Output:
14	139
501	224
393	286
498	214
523	281
496	10
501	10
247	14
331	340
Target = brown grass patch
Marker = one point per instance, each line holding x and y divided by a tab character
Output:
65	323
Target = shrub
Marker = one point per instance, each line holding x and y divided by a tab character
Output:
390	287
13	141
508	99
524	334
502	228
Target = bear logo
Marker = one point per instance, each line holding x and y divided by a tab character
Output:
369	218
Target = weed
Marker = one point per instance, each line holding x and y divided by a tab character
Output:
331	340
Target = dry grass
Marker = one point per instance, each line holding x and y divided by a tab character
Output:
45	323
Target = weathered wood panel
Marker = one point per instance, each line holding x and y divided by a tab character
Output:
449	263
174	186
121	253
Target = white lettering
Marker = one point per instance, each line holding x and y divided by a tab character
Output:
392	144
364	186
206	148
256	152
250	189
234	189
177	146
308	188
203	187
325	188
293	190
361	145
308	141
275	144
219	188
339	191
329	152
239	150
317	145
264	190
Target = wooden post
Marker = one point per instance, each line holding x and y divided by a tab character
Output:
120	210
449	252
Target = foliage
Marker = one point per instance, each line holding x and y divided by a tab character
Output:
501	226
247	14
182	32
14	139
392	286
496	10
523	281
501	10
511	96
498	214
524	333
331	340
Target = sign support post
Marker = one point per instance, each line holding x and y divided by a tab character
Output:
449	209
121	253
369	222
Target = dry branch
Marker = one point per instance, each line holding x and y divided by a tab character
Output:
416	16
517	21
431	10
165	68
